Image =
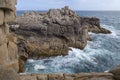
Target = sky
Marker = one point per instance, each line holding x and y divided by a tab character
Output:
73	4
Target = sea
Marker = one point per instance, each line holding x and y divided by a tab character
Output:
100	55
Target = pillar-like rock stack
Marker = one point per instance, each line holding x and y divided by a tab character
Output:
8	47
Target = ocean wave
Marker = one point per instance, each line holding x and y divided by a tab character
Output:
100	54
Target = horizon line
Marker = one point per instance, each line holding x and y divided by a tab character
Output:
72	9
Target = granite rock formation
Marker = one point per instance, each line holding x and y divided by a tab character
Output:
9	65
46	34
8	47
52	33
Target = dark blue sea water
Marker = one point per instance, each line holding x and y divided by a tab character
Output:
101	54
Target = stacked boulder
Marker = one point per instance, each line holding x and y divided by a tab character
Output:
8	47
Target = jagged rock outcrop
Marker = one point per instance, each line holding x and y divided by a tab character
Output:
94	25
52	33
28	43
8	47
81	76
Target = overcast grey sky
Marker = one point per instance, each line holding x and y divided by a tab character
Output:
73	4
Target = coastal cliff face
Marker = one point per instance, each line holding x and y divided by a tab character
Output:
9	52
52	33
46	34
8	47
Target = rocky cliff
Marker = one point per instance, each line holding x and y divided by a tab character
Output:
52	33
28	42
46	34
9	63
8	47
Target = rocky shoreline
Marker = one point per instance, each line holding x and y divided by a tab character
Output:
52	33
40	35
80	76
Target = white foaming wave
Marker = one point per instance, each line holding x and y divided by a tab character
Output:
76	56
39	67
112	29
31	60
23	74
106	71
83	54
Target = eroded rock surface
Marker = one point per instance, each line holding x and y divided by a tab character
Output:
8	74
57	27
52	33
81	76
9	65
46	34
8	46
